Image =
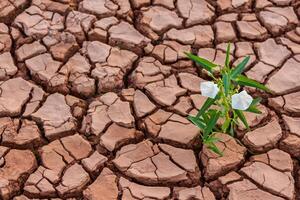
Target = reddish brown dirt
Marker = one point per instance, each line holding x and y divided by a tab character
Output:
95	94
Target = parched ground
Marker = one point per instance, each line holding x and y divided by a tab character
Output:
95	93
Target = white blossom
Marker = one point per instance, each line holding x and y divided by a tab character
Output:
209	89
241	101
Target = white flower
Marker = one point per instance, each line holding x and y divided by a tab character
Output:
241	101
209	89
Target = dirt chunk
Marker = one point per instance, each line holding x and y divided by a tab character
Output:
74	180
7	66
126	36
198	36
132	190
193	192
21	133
263	138
247	190
215	165
12	103
195	12
38	23
18	164
285	80
146	163
105	184
56	117
9	9
278	183
279	52
156	20
102	8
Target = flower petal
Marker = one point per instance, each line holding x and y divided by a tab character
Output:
209	89
241	101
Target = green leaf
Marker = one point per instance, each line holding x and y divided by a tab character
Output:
226	124
231	130
242	117
256	101
245	81
212	139
206	105
226	83
211	112
239	68
213	120
253	109
214	148
197	122
205	118
235	121
227	61
253	106
201	61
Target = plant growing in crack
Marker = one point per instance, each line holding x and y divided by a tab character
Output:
226	100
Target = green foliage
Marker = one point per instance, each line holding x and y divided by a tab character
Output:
229	83
209	66
245	81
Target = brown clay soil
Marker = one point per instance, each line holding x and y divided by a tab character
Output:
95	94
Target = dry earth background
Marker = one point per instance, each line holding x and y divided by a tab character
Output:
94	96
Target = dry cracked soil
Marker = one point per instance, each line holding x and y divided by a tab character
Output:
95	93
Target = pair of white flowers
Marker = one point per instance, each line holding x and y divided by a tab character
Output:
239	101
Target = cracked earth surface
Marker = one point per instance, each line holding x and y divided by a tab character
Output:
95	93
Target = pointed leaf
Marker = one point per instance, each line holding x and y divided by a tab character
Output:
235	121
197	122
231	130
206	105
256	101
243	80
212	139
202	62
242	117
253	109
213	120
205	118
227	61
240	68
215	149
226	83
211	112
225	125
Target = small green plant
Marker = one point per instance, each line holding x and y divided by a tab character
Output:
226	96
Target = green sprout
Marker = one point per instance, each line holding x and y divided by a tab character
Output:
225	100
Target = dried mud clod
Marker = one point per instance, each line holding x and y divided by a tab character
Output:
94	96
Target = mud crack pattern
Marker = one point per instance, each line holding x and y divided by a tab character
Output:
95	93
